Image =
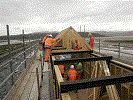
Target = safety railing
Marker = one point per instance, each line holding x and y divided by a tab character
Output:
14	57
100	45
16	70
23	54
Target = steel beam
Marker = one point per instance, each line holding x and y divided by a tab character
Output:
72	52
73	60
95	82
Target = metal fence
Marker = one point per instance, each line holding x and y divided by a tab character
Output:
107	46
26	52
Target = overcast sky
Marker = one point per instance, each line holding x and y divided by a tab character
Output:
51	15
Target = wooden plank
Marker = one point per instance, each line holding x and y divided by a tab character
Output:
65	96
21	89
26	93
61	37
126	65
34	91
70	50
124	93
85	94
25	82
111	89
13	90
86	44
76	36
17	84
118	70
112	69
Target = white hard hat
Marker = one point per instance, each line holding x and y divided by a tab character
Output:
50	35
72	66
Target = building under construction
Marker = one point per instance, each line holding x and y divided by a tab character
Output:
104	78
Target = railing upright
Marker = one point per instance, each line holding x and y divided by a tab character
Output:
41	71
24	47
9	52
99	45
39	94
29	42
119	49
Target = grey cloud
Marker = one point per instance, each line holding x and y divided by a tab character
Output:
64	11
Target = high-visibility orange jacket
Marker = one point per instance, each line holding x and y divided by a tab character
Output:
77	46
44	39
91	42
49	41
61	67
72	74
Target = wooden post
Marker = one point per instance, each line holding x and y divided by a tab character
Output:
39	96
111	89
9	52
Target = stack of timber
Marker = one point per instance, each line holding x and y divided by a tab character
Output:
92	69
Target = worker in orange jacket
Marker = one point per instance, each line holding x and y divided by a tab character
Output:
77	46
72	73
91	43
61	67
48	44
43	42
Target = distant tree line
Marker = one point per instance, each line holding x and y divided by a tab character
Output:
39	35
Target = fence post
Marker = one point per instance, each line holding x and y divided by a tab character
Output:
29	41
99	45
41	71
119	49
9	52
39	97
24	47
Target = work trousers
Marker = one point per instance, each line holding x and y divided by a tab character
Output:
47	53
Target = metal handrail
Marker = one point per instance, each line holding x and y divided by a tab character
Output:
103	45
118	51
7	78
13	51
17	55
15	71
